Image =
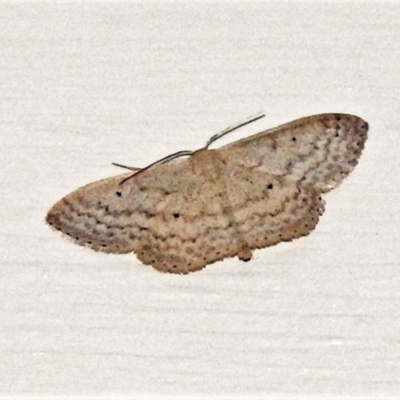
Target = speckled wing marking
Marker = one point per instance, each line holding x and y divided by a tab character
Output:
319	151
237	211
107	215
182	215
217	210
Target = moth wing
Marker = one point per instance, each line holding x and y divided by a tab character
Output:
209	221
178	237
319	151
108	215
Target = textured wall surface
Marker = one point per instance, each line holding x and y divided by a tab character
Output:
82	85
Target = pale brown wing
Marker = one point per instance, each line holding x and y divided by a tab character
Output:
108	215
319	151
210	220
182	215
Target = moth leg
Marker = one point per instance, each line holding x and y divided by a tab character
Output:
245	254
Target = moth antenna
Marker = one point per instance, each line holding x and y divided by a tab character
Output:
126	167
184	153
233	127
163	160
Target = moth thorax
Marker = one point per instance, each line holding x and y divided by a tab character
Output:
207	162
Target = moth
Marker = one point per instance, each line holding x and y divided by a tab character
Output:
181	214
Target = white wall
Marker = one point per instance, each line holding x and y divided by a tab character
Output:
86	84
